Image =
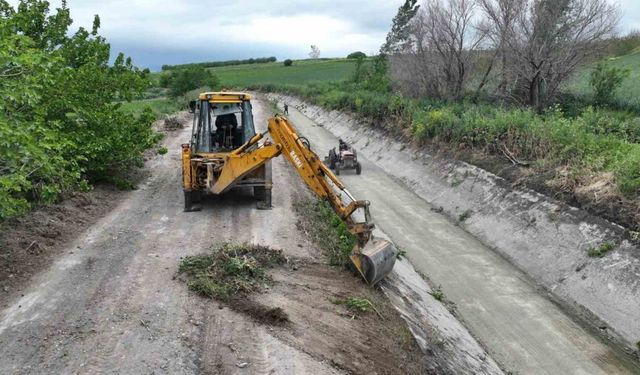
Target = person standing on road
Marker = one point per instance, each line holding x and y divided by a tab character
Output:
286	109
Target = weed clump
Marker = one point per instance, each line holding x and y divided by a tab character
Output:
230	270
326	228
464	216
437	293
357	304
600	251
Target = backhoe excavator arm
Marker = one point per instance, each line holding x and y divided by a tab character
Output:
374	258
313	171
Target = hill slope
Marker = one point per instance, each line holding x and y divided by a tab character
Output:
302	71
629	92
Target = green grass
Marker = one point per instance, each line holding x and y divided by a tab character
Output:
301	72
159	106
327	229
629	92
437	293
356	304
601	251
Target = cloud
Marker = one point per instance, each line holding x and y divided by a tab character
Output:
630	15
156	33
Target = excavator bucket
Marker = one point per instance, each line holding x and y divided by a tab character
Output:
375	260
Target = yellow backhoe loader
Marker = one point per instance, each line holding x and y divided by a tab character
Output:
225	153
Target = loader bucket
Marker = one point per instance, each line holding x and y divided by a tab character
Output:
375	260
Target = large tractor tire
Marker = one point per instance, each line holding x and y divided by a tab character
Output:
263	195
192	201
332	159
358	168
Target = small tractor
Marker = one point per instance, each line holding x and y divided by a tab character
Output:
225	152
345	158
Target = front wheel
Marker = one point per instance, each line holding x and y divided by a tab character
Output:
337	169
358	168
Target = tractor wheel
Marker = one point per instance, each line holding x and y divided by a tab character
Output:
337	169
192	201
332	159
263	195
358	168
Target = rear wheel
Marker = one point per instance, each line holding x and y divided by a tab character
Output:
263	195
192	201
358	168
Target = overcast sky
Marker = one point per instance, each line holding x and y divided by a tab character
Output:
169	32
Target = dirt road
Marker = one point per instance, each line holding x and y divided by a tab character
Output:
111	304
521	328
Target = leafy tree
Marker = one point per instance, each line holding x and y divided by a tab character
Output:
356	55
288	62
399	38
60	126
182	81
372	76
605	80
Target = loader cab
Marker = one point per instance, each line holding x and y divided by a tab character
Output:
222	122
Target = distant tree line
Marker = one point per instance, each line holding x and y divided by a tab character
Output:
180	81
214	64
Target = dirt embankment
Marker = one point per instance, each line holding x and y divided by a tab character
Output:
547	239
31	243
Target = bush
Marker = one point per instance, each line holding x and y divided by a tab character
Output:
605	80
179	82
288	62
60	124
356	55
434	123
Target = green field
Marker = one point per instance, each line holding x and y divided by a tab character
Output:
629	92
159	106
302	71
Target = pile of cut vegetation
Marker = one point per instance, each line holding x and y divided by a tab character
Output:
230	272
172	122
